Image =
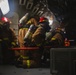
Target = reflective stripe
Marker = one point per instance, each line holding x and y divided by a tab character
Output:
53	38
5	39
24	57
13	43
29	22
28	63
25	28
38	44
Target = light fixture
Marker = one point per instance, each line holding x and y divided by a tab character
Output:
4	6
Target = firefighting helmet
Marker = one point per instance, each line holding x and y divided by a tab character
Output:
43	19
5	22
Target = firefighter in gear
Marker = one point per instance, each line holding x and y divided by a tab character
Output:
23	31
8	39
32	25
6	28
39	35
58	38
